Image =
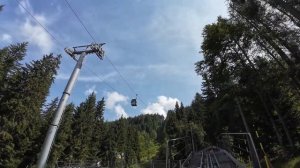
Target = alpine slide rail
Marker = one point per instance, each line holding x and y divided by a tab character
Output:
210	157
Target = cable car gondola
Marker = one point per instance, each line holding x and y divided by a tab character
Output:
134	102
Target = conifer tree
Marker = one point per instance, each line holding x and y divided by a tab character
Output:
10	58
99	133
10	66
83	129
24	94
171	126
121	134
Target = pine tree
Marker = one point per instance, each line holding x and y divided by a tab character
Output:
171	126
83	127
10	66
199	110
122	127
106	148
132	147
99	134
24	94
177	111
10	58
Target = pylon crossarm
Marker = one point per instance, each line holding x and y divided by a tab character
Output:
93	48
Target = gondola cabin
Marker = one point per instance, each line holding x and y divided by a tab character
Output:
133	102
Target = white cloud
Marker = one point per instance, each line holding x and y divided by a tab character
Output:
91	90
162	106
32	31
6	37
120	111
106	77
113	103
36	35
113	98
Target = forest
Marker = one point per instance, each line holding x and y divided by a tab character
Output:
250	65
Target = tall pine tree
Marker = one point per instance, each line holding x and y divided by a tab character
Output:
23	96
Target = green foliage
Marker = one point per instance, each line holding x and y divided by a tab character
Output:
148	147
83	129
292	163
252	56
23	92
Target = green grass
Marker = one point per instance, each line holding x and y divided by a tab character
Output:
292	163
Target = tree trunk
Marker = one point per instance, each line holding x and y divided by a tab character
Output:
245	54
286	7
270	41
295	81
269	115
293	48
293	19
286	131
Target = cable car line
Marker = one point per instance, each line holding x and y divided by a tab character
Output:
78	18
101	79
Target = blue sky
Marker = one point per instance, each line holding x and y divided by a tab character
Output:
153	43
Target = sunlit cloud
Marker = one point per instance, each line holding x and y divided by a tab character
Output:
114	101
32	31
120	111
161	106
113	98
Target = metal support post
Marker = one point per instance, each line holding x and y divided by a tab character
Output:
180	166
192	136
254	155
268	163
167	154
167	149
57	116
256	163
